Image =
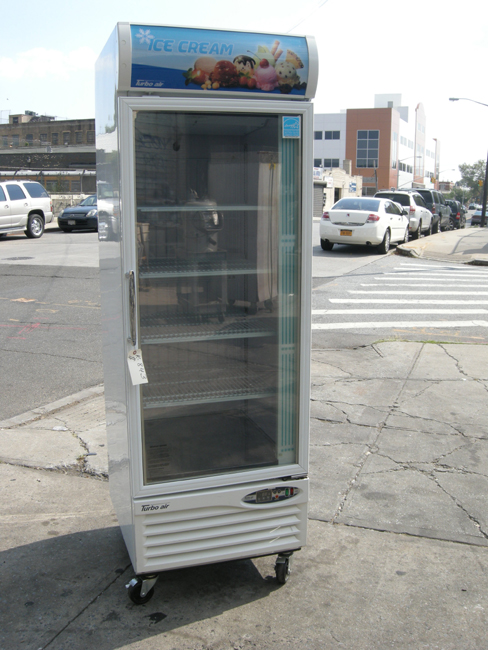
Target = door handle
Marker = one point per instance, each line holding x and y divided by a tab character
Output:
130	275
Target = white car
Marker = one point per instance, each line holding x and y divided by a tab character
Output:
364	220
419	217
24	206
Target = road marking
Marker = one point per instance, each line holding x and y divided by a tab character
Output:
405	301
405	267
403	324
323	312
400	283
428	293
415	278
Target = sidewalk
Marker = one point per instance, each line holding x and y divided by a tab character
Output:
397	554
468	246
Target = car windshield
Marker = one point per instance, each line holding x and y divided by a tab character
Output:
357	203
402	199
91	200
427	196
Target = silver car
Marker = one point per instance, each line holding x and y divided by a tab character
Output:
419	216
24	206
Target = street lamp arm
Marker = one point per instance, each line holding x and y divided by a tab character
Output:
456	99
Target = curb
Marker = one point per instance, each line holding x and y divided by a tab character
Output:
41	411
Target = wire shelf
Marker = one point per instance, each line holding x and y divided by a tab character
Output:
198	386
180	328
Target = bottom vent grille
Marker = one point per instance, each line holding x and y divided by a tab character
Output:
213	534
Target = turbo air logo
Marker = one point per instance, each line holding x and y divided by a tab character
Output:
163	506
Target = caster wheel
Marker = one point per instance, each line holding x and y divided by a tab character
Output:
135	592
282	570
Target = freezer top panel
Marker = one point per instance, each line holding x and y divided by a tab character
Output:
186	61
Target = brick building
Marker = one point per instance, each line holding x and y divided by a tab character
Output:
31	141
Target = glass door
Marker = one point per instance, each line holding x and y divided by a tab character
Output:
218	222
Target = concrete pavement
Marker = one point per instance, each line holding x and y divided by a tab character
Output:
397	554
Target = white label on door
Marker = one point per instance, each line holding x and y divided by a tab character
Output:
136	367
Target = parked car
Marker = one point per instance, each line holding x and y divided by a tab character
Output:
364	220
420	218
458	218
476	217
83	216
435	202
472	206
24	206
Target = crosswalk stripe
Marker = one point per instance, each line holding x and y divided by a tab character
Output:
411	301
422	284
426	293
323	312
402	324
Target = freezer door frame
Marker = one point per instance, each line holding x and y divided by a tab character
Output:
127	109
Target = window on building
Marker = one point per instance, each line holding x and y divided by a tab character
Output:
51	186
79	137
317	162
66	137
367	150
317	135
394	151
15	120
76	186
54	138
15	140
90	137
4	140
43	138
332	135
331	162
29	139
410	144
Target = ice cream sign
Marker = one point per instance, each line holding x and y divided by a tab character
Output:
177	58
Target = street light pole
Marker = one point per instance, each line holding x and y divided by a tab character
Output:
485	183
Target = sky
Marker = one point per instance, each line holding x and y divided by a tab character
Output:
425	51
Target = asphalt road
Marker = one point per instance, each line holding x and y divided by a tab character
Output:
50	338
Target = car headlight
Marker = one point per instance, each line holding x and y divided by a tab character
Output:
92	213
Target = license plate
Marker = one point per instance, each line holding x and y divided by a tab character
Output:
348	233
71	223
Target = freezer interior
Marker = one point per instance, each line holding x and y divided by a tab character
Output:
218	222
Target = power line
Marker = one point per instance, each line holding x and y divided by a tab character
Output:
308	15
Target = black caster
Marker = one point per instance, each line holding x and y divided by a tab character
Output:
282	567
141	590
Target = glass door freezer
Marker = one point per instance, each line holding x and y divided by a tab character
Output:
204	226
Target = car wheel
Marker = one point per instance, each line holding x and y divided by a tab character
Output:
405	237
429	231
435	228
417	234
384	247
35	226
326	245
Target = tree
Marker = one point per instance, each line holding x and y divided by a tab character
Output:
470	177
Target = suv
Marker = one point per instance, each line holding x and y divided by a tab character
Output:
435	202
24	205
419	217
458	218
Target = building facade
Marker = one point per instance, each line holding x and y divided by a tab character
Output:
387	145
31	141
